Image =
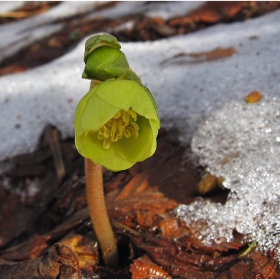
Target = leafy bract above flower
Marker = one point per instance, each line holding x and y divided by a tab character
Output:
100	40
105	63
116	124
103	58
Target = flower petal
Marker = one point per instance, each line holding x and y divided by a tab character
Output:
92	112
140	148
125	94
90	147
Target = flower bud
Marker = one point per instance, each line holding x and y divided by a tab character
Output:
105	63
103	58
98	41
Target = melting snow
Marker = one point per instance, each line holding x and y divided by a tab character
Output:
241	143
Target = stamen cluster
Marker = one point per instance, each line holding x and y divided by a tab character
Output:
123	123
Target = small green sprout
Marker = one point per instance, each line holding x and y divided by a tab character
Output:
116	125
246	251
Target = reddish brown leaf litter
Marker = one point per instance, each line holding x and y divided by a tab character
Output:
59	260
212	12
29	9
144	268
47	233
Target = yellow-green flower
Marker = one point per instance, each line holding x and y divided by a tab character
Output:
116	124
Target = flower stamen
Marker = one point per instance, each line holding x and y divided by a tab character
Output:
122	123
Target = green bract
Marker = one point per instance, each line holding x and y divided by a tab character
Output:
116	124
100	40
105	63
103	58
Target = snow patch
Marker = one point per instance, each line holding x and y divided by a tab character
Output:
241	143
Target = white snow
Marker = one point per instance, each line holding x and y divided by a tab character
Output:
19	34
241	143
188	91
172	8
165	10
7	6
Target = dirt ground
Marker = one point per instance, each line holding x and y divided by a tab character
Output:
47	233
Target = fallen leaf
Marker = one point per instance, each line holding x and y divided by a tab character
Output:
58	262
211	12
253	97
144	268
28	250
216	53
24	14
254	266
216	11
186	256
84	249
12	68
169	227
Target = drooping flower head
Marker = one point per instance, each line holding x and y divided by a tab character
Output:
116	122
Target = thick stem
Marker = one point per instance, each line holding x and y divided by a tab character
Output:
98	213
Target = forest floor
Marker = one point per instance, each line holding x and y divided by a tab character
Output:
45	227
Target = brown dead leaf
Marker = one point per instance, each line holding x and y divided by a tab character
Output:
253	97
170	227
137	184
216	11
58	262
182	255
186	256
28	250
23	14
84	250
12	68
217	53
133	211
254	266
211	12
138	202
145	268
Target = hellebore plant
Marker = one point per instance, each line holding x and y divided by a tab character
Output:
116	124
